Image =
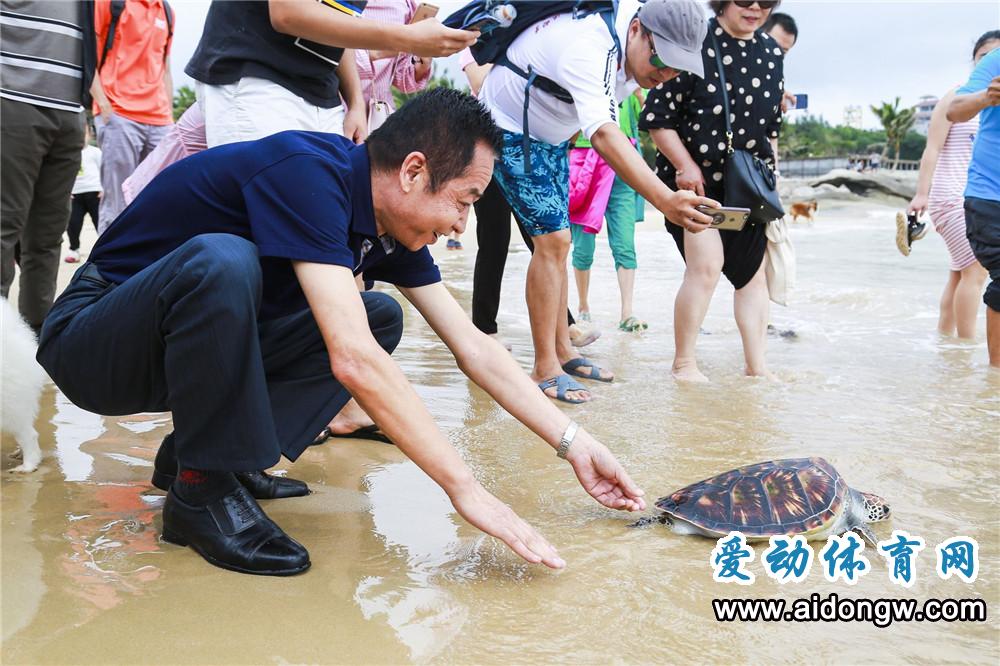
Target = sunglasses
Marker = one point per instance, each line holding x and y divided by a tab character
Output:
763	4
654	59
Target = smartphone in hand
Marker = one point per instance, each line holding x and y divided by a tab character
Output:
424	11
801	102
726	218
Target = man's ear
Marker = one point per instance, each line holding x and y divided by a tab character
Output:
413	169
634	28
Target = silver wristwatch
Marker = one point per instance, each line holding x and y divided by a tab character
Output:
567	439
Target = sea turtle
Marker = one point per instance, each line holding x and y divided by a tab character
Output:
791	496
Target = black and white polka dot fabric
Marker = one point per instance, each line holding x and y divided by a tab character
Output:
693	107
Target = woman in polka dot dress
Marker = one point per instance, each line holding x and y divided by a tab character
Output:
684	118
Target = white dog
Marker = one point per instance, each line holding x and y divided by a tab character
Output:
21	383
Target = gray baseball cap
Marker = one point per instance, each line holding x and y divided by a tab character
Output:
679	28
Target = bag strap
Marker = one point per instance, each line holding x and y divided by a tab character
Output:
725	94
117	8
392	77
170	27
549	86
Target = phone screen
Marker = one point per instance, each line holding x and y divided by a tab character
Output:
801	102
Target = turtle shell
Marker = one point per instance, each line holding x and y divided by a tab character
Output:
790	496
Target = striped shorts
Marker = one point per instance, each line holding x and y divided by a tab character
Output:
949	221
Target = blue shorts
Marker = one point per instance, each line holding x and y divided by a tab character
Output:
539	199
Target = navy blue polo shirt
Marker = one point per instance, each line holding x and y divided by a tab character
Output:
302	196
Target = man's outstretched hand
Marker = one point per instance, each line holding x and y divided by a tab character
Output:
483	510
602	476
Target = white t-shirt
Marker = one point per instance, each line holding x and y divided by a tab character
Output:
88	179
579	55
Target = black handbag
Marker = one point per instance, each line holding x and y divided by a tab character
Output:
749	182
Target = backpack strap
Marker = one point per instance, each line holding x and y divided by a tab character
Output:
168	10
549	86
117	7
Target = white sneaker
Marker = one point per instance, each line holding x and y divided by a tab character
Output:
72	257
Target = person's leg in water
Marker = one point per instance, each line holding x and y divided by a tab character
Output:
546	292
982	220
703	256
584	245
968	297
993	336
621	216
750	307
493	240
946	317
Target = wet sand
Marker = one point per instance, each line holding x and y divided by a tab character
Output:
397	577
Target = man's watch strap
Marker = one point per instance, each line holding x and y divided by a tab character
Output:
567	439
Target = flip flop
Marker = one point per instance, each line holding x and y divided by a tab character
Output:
370	432
632	324
573	365
563	383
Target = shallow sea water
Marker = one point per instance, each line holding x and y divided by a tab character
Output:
397	577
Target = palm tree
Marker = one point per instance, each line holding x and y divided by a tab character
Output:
896	122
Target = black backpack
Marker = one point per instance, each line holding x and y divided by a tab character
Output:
491	48
117	7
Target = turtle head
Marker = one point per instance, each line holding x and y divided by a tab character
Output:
876	509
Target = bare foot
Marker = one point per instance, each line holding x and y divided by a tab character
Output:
688	372
349	419
766	374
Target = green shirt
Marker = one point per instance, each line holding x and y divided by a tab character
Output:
628	121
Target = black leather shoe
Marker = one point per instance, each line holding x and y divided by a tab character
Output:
260	484
234	533
264	486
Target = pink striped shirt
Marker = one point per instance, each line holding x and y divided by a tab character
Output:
952	170
376	77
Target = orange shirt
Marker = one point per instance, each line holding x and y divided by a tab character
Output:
132	75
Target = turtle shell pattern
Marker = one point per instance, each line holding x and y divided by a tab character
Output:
790	496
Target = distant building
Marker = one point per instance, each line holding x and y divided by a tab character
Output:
924	109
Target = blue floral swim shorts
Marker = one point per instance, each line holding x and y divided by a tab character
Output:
539	198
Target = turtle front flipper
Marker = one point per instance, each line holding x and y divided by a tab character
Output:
868	534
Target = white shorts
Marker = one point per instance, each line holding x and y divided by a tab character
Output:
253	108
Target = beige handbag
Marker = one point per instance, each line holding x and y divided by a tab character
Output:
780	268
379	110
378	113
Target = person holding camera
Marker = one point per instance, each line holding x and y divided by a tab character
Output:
684	117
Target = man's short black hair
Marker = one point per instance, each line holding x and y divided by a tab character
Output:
786	22
443	124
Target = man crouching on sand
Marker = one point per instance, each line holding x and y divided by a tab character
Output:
225	293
